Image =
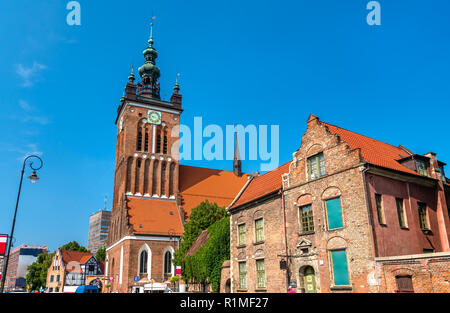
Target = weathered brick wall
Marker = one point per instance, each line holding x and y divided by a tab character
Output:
343	179
429	273
131	260
269	250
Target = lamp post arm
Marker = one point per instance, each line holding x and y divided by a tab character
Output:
5	268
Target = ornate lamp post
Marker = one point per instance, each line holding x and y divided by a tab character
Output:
34	178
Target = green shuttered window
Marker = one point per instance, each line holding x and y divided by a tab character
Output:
242	237
259	230
306	218
261	274
423	219
243	275
334	213
340	270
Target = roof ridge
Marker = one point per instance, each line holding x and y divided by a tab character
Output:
351	131
209	168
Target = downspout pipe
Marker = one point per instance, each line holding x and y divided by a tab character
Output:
283	208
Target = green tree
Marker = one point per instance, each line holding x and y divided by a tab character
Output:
73	246
205	265
101	254
37	271
202	216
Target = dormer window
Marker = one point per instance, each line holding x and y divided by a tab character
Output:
316	166
421	168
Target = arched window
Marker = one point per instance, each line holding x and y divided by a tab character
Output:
168	262
165	143
146	141
143	258
139	141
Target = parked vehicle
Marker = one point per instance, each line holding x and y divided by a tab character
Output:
88	289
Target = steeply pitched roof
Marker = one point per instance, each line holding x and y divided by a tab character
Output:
156	217
198	243
75	257
373	151
263	185
198	184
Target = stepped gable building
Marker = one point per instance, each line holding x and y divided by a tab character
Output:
348	214
153	193
71	269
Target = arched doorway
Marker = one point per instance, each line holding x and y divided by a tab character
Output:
308	279
228	286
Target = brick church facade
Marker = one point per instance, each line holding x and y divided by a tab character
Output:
153	193
348	214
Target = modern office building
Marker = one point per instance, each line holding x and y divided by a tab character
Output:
21	257
98	230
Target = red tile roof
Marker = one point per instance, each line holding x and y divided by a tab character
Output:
155	217
263	185
76	257
373	151
198	184
198	243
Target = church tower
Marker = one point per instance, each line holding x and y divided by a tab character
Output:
147	132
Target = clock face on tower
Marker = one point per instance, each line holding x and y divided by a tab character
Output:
154	117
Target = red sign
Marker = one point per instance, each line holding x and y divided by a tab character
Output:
3	240
178	271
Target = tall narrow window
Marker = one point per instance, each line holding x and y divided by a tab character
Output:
163	178
306	218
421	167
334	213
423	218
380	213
340	269
165	143
242	237
260	274
167	262
259	230
146	142
401	213
242	275
139	141
158	141
143	258
316	166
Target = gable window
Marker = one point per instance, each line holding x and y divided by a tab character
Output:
259	230
306	218
334	213
242	237
243	275
423	218
401	213
404	284
340	269
260	274
167	262
421	167
316	166
441	169
143	258
380	211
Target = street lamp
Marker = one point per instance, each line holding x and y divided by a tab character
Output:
33	177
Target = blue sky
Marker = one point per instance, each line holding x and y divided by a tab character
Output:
252	62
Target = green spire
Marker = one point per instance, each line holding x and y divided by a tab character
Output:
149	69
131	78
